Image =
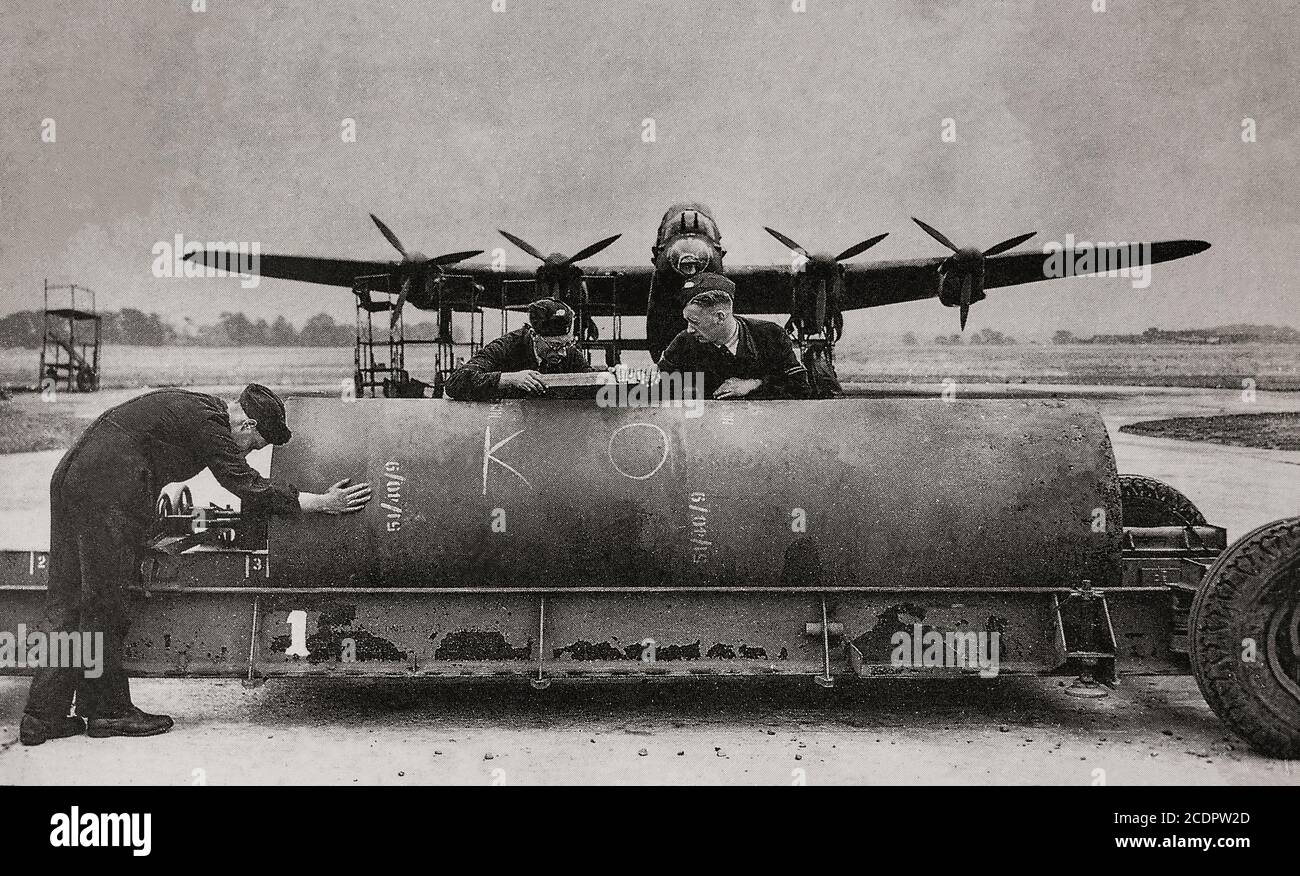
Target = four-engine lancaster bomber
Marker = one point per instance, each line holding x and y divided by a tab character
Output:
554	540
815	289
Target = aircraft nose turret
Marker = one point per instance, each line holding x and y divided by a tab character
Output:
689	256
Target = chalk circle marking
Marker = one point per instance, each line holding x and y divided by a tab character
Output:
662	459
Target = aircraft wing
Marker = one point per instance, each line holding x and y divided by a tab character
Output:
1013	269
759	289
766	289
633	282
306	269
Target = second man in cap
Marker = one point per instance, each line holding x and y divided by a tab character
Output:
740	357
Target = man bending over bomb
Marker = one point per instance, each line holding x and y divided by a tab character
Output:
102	504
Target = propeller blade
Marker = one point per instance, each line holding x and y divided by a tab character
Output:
452	257
859	248
837	321
936	235
790	244
387	232
1008	244
591	250
522	244
396	315
966	285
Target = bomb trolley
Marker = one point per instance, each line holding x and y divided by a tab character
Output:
556	541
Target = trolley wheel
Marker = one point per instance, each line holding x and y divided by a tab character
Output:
1148	502
175	501
184	501
1245	638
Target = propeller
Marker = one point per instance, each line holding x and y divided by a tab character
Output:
968	264
856	249
559	275
415	265
819	269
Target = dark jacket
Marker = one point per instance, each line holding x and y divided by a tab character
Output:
479	378
763	351
135	449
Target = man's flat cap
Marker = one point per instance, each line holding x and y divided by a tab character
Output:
708	282
266	408
550	318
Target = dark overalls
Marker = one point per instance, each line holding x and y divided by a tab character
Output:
763	352
102	500
479	378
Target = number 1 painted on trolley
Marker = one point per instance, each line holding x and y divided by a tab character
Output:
297	621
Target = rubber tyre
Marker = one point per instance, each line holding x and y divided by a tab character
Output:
1148	502
175	501
184	501
1253	592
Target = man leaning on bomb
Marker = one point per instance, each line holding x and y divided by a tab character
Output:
102	500
739	356
515	365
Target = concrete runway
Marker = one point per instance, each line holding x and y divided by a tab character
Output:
1014	731
1149	731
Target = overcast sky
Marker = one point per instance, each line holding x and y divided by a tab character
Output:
224	125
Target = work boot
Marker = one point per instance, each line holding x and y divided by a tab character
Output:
34	730
133	723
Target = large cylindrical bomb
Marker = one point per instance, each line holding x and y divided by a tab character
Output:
841	493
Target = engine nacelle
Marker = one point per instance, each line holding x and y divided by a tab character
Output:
954	273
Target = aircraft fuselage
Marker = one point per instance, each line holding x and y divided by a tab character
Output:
688	243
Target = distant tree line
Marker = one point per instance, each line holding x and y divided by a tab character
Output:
136	328
22	329
984	337
128	326
1225	334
